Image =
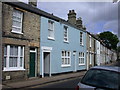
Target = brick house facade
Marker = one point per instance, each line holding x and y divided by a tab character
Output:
20	37
91	50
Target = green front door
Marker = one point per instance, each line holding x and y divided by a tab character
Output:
32	64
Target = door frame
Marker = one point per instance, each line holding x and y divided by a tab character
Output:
35	51
74	54
46	49
87	60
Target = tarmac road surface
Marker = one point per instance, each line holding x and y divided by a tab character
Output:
69	83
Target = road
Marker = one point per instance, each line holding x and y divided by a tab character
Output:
69	83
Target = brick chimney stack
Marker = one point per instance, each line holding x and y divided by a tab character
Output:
79	22
33	3
72	20
72	17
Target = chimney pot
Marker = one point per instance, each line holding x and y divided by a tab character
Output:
73	11
72	17
33	3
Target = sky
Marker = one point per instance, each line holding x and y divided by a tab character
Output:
96	16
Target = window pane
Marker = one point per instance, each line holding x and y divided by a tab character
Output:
21	60
83	54
16	29
79	60
48	25
82	60
62	60
65	34
11	50
81	37
50	33
68	54
80	54
65	53
68	60
15	51
21	52
65	39
17	18
65	60
5	50
17	23
62	53
51	26
13	56
10	62
4	61
13	62
50	29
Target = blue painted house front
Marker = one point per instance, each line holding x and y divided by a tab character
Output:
63	47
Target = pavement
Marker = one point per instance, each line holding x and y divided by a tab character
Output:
40	81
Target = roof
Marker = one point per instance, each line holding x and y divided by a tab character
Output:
111	68
40	12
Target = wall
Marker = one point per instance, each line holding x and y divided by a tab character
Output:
0	44
58	45
29	38
98	52
91	51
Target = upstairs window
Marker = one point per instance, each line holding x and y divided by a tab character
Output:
65	34
81	38
50	29
90	41
17	21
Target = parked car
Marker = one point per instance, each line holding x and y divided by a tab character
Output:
101	78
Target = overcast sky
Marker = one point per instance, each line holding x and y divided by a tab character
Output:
96	16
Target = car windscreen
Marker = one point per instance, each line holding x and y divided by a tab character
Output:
101	78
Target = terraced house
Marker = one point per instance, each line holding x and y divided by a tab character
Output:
63	45
20	37
91	50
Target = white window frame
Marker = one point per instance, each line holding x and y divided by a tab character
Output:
90	58
81	57
8	68
81	38
90	40
66	37
21	21
68	58
51	30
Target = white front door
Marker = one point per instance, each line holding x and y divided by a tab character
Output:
46	61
